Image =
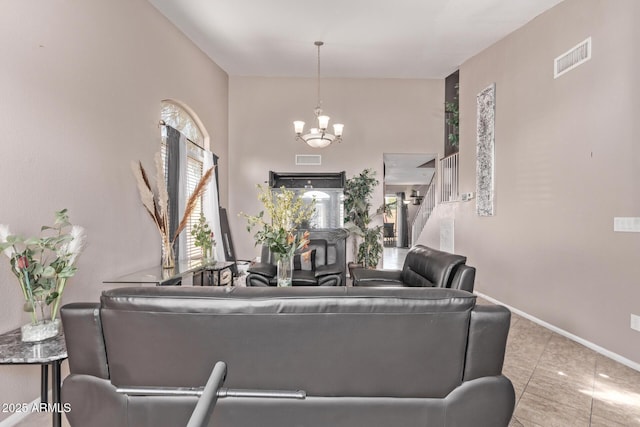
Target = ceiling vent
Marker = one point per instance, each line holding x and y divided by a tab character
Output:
308	159
572	58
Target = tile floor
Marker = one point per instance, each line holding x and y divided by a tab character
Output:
561	383
558	382
393	258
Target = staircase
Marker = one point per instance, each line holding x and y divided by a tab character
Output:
449	192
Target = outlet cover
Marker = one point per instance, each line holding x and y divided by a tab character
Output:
635	322
626	224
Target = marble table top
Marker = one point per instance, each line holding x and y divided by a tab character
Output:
14	351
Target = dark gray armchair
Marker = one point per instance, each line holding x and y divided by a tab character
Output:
423	267
326	267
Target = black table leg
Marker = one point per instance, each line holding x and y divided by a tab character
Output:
44	383
55	393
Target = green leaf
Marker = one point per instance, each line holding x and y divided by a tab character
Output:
32	241
51	297
67	272
48	271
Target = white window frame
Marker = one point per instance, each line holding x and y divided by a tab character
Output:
182	118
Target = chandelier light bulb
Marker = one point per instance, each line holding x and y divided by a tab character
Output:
298	127
323	122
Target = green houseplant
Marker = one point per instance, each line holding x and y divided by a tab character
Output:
203	239
452	111
358	192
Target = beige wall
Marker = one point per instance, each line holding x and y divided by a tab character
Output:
81	86
567	163
380	116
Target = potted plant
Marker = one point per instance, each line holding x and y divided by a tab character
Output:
357	204
203	237
452	112
280	230
43	264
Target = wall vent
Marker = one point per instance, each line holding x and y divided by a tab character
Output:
569	60
308	159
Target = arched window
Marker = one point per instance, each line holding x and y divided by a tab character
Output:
188	166
181	117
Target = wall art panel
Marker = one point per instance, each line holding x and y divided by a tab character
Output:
485	151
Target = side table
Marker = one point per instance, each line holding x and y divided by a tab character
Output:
50	352
216	274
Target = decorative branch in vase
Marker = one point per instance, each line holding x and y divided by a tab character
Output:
157	205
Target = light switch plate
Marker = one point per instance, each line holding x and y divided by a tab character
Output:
626	224
635	322
465	197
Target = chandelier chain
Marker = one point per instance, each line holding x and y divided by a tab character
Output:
319	100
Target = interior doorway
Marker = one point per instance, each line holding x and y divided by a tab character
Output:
407	178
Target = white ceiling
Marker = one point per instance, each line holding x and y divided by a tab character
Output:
363	38
407	169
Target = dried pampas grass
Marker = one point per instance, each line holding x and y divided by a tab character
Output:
146	194
193	200
157	205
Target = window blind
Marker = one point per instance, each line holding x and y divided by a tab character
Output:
194	173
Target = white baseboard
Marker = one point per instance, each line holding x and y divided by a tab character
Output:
19	416
588	344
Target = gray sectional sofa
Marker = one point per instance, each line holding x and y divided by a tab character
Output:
364	357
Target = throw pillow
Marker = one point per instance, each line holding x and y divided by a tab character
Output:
305	261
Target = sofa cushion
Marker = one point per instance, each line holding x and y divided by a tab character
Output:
263	269
362	276
411	278
304	278
424	266
331	269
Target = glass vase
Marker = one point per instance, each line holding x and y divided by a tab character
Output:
41	327
209	255
285	270
168	258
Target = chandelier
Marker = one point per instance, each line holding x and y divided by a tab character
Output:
318	137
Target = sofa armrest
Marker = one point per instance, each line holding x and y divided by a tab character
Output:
361	276
488	332
464	278
84	339
263	269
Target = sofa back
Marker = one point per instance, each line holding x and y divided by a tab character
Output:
327	341
425	266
